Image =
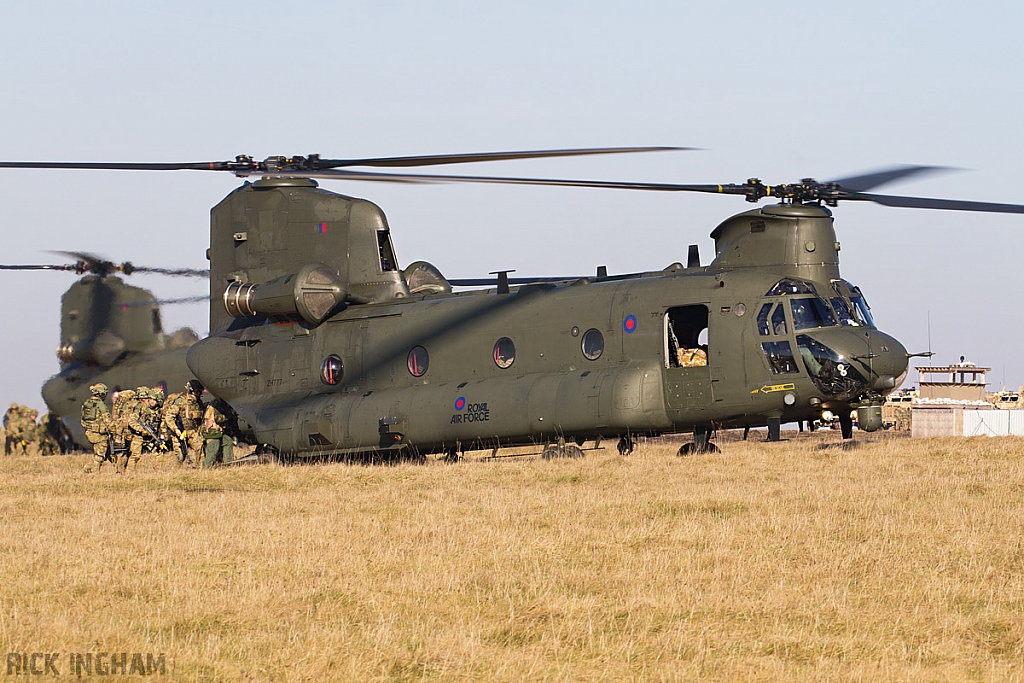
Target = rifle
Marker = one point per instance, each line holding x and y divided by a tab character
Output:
156	437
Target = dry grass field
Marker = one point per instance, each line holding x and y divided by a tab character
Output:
896	560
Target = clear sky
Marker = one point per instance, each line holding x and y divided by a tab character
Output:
780	91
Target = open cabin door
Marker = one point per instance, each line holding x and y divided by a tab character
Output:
687	374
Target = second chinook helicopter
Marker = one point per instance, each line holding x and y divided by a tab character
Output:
322	344
112	332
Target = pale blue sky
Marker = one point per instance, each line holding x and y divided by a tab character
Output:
777	91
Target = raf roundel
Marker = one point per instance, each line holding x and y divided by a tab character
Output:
629	324
460	403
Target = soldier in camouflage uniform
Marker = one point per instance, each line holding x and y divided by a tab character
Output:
182	415
57	433
47	444
31	431
10	420
124	404
141	416
150	445
98	425
219	445
21	430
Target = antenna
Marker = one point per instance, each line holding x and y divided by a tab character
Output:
929	333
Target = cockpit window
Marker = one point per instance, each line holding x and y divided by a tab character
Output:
780	357
863	311
843	312
860	307
834	375
779	319
811	312
791	286
762	321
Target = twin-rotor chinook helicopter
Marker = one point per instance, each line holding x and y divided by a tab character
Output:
112	332
323	345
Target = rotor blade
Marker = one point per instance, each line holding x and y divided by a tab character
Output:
862	183
245	165
81	256
37	267
162	302
119	166
439	159
944	204
177	272
439	178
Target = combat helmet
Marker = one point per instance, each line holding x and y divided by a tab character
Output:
99	389
194	386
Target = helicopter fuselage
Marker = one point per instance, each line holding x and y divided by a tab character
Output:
649	354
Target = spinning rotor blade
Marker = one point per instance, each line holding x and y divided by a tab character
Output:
162	302
807	190
244	165
175	272
946	204
863	183
37	267
439	159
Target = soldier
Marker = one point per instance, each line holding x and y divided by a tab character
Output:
182	414
59	433
97	423
22	428
124	404
10	419
31	431
47	444
140	425
219	446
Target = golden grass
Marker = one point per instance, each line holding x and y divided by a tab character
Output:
896	560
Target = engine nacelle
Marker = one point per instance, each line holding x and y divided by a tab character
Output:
103	349
312	293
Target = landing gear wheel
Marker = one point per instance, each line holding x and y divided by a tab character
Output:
626	445
692	449
562	451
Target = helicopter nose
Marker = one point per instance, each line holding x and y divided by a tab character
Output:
848	363
887	361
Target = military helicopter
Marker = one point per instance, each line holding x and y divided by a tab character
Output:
323	345
111	332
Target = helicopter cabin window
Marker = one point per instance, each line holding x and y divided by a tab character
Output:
790	285
157	325
686	337
810	313
780	357
387	252
331	370
593	344
418	361
504	353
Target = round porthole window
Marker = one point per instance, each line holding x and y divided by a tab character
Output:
593	344
504	353
418	361
331	370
